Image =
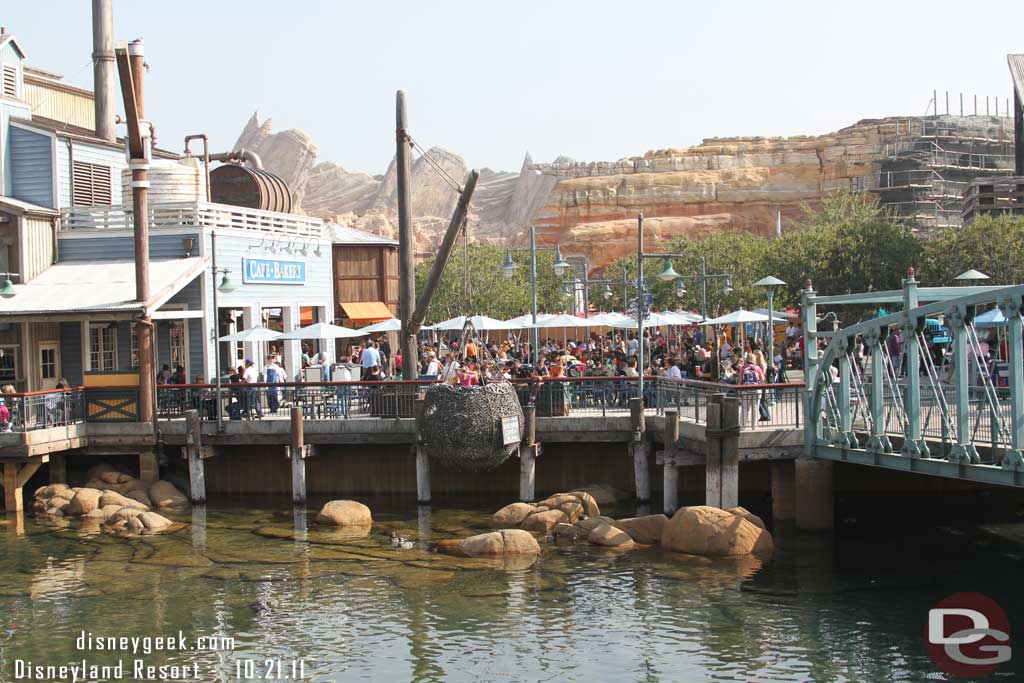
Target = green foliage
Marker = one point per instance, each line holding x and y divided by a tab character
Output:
490	292
992	245
851	244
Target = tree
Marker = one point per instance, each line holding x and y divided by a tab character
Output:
992	245
490	293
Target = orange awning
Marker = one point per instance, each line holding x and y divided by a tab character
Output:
365	311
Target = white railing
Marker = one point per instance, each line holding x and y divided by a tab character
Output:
192	214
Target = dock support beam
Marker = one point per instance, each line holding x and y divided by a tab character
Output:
58	469
422	458
298	451
639	448
196	455
815	506
670	467
15	476
783	491
149	468
529	449
722	471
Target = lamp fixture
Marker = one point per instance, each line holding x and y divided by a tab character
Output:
566	291
668	273
188	244
971	275
7	291
680	288
606	292
508	266
560	265
226	285
727	285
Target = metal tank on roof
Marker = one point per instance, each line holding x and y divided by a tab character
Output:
253	188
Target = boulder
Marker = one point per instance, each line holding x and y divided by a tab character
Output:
748	515
511	515
543	522
591	523
710	531
47	492
139	496
115	498
97	471
165	494
114	477
60	501
590	506
135	525
602	494
570	533
557	500
54	512
85	501
124	514
152	521
646	530
498	544
345	513
608	536
573	511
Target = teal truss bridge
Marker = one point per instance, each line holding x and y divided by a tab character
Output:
949	404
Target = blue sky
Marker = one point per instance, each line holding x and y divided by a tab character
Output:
593	80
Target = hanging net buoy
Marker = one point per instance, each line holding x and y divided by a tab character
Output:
462	426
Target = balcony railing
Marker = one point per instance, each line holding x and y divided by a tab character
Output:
192	214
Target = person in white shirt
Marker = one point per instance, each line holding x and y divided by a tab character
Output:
252	399
433	366
673	370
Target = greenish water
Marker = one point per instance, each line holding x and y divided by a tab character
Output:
850	608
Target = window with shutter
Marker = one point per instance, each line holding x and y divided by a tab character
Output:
91	183
10	80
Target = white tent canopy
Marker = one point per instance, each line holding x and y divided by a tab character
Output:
657	320
776	315
480	323
739	317
320	331
562	320
258	333
392	325
525	320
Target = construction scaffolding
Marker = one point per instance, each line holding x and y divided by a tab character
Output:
925	171
994	197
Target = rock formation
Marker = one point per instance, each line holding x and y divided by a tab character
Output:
739	183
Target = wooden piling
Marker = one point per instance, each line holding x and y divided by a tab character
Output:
722	431
15	476
193	451
422	458
297	453
670	470
639	448
528	452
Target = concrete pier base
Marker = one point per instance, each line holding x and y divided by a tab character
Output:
783	491
671	486
722	470
199	527
422	476
149	468
298	477
815	499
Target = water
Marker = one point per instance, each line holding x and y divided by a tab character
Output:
845	608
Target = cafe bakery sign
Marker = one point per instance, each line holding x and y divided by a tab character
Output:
273	272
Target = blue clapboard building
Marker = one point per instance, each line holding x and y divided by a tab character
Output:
66	246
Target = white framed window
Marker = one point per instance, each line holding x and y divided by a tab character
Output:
178	350
8	364
134	347
102	347
90	184
9	78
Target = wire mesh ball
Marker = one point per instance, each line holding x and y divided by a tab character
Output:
461	426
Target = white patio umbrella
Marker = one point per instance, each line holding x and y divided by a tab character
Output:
777	316
258	333
652	320
480	323
320	331
392	325
561	320
607	319
739	317
522	321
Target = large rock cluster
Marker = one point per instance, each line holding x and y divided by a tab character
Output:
117	501
542	517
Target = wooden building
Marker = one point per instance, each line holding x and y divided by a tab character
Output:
365	276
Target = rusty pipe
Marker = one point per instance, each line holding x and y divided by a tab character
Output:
206	156
239	155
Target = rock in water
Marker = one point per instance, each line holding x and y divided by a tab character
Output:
511	515
115	498
704	530
609	536
544	522
165	494
646	530
748	515
84	502
345	513
494	544
152	521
